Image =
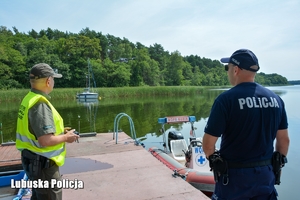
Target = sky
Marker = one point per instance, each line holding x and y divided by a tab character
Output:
210	29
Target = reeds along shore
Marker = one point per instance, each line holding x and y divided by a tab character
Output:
121	92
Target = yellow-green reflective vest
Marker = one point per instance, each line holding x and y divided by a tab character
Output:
26	140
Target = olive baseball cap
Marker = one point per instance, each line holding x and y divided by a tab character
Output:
244	58
42	70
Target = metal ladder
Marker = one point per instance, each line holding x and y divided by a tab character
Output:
116	127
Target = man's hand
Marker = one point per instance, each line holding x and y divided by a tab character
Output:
71	136
51	139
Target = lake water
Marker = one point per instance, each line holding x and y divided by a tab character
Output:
144	112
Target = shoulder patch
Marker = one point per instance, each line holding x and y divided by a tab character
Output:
47	127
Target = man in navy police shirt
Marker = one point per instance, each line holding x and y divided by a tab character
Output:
248	118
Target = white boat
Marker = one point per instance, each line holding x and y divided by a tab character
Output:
186	161
87	94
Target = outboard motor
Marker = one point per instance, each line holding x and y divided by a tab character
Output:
174	135
195	142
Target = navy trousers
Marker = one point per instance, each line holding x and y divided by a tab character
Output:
255	183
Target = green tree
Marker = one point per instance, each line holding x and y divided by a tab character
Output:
158	53
197	77
116	62
146	67
12	62
114	53
187	73
116	74
75	51
174	70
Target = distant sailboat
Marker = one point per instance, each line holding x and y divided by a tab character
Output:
87	94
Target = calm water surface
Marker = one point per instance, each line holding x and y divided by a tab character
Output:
99	117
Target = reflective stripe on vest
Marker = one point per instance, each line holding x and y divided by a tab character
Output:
26	140
48	154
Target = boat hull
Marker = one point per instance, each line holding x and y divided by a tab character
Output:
200	180
5	179
87	96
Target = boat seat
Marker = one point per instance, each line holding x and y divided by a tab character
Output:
176	148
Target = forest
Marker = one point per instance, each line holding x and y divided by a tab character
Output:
115	62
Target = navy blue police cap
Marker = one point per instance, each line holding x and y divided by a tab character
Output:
243	58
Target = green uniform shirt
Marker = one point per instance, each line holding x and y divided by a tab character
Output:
40	117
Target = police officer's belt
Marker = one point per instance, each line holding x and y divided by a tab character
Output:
33	156
249	165
28	154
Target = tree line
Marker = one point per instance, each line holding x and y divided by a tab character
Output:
294	82
115	62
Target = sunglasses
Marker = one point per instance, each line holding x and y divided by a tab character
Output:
226	67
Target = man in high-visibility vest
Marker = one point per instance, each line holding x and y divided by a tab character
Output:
40	134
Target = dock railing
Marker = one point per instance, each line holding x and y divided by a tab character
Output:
116	127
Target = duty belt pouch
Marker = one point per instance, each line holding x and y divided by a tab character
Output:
35	163
278	161
219	167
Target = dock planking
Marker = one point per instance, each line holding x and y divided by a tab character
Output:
118	171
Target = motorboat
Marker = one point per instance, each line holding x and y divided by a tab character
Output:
186	159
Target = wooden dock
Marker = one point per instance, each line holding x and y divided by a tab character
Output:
10	158
119	171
